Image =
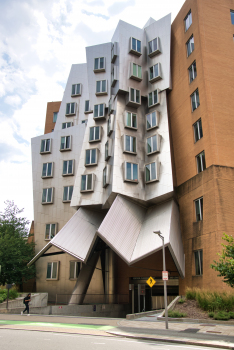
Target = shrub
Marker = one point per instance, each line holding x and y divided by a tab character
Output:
176	314
181	301
222	315
211	314
13	294
231	314
190	294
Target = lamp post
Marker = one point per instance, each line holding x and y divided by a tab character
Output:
165	282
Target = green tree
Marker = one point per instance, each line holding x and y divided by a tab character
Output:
15	251
225	265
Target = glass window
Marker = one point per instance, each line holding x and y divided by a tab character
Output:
134	95
87	182
52	270
153	98
129	144
199	209
87	106
195	100
47	169
232	16
131	172
105	180
154	72
198	133
136	45
68	167
45	146
70	108
131	120
75	267
99	64
91	156
190	46
67	193
201	163
153	46
150	172
152	144
99	111
47	195
50	231
151	120
192	71
110	125
198	256
66	125
65	143
55	115
113	52
188	21
76	90
136	71
94	133
101	86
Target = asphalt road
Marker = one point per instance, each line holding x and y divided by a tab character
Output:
34	340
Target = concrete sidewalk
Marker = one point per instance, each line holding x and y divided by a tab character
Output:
200	334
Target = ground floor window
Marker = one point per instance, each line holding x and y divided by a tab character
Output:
52	270
198	256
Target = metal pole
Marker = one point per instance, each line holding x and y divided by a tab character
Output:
7	298
165	285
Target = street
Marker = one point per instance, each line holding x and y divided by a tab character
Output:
28	340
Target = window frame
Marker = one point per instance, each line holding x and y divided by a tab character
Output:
50	227
77	93
131	144
67	148
198	125
132	50
107	176
131	102
131	70
101	92
155	51
108	145
157	116
125	172
57	271
76	269
100	131
189	22
110	124
88	111
98	70
104	112
47	176
55	116
189	47
86	182
126	118
67	173
157	165
90	156
70	189
196	100
113	52
158	98
46	189
66	127
232	16
201	162
70	104
200	262
113	76
44	151
199	215
192	76
159	76
158	139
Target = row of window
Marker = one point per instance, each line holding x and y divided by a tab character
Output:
48	194
136	47
68	168
52	271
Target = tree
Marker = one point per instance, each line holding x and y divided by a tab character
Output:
225	265
15	251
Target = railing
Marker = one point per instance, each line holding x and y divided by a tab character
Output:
90	299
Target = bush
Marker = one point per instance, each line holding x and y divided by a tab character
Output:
176	314
211	314
231	314
13	294
3	295
181	301
222	315
190	294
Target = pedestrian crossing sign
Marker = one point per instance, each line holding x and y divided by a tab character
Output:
151	282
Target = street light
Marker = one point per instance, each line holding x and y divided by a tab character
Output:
164	281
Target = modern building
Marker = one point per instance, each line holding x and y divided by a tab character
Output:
141	143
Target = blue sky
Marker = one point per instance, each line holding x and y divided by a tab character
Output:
39	41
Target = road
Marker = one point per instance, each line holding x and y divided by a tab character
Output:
34	340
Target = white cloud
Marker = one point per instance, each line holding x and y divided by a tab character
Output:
13	100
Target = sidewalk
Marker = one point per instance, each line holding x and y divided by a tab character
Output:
200	334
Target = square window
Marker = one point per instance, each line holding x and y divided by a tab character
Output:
201	162
106	176
75	267
135	46
94	134
152	144
190	46
76	90
153	47
199	209
232	16
155	73
55	115
151	172
52	270
153	98
192	72
68	167
99	111
91	157
197	128
66	125
152	120
135	71
99	64
71	108
131	172
65	144
130	120
47	170
130	144
67	193
188	21
87	182
50	231
45	146
195	101
47	195
198	257
101	87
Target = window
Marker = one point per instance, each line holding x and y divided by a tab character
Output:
152	120
113	76
55	115
153	47
151	172
110	106
66	125
192	72
135	46
99	64
110	122
107	150
113	52
68	167
87	107
65	143
188	21
131	172
75	267
47	195
153	98
135	96
52	270
197	127
190	46
135	71
76	90
101	87
198	257
195	100
199	209
91	157
45	146
67	193
129	144
131	120
87	183
50	231
155	73
152	144
99	111
47	170
106	176
70	108
94	134
85	121
232	16
201	163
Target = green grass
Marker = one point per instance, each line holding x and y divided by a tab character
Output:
181	301
176	314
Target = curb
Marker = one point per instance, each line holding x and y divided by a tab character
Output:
193	320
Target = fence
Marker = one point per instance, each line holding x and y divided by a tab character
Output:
90	299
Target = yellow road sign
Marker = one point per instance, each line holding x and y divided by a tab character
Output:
151	282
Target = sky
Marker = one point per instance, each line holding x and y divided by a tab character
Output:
39	41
